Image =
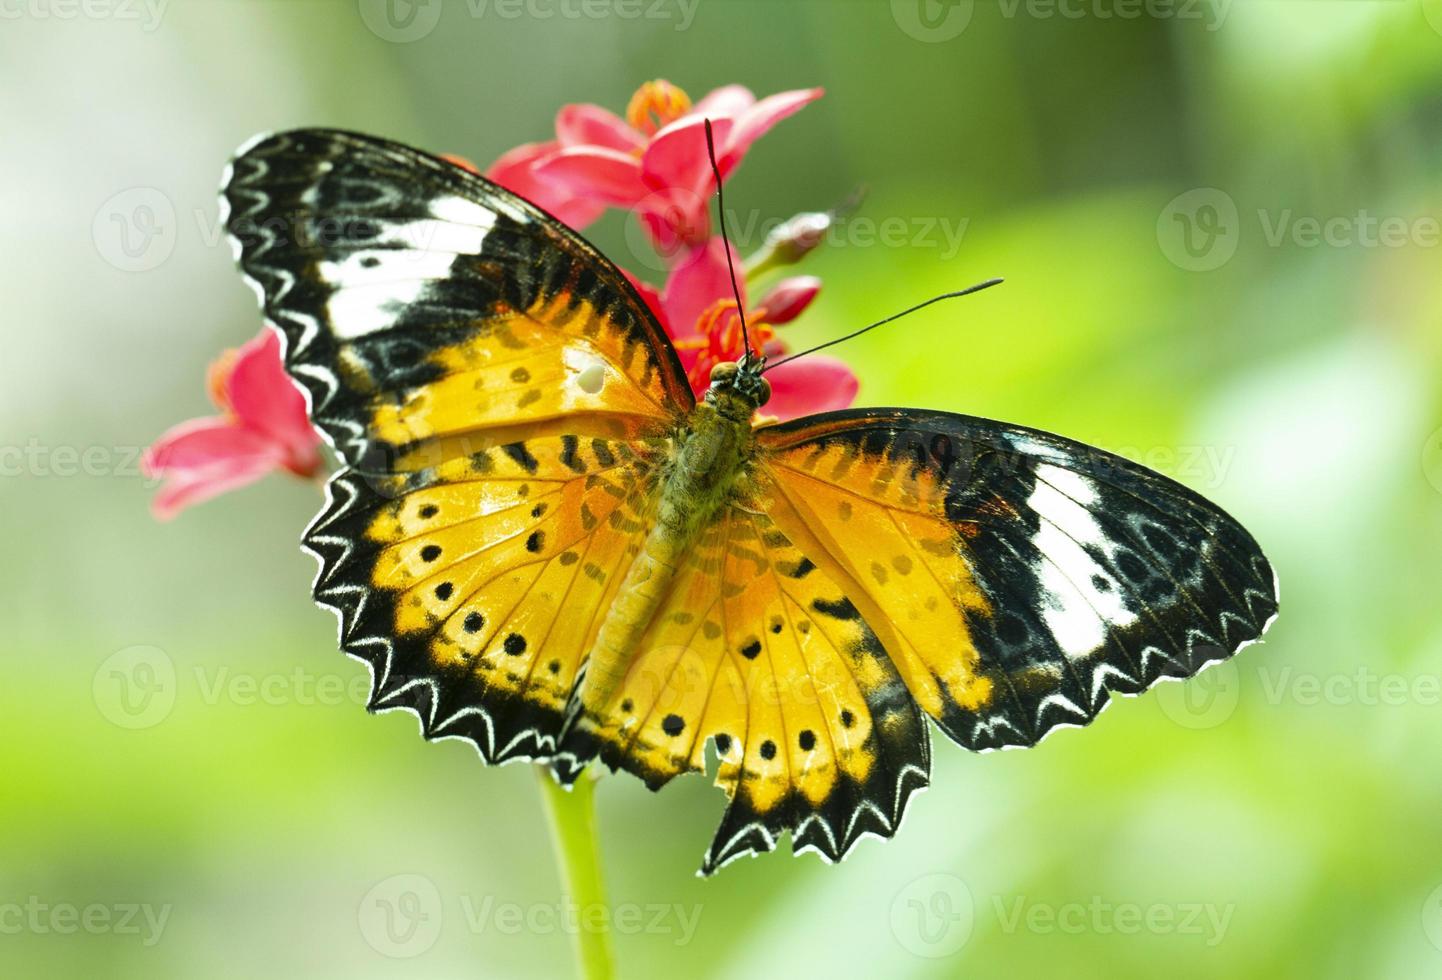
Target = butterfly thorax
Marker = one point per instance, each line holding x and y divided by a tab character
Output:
711	453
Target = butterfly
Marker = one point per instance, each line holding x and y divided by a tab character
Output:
542	543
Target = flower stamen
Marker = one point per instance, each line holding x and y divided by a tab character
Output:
656	105
217	379
719	338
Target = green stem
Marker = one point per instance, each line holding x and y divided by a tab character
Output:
572	816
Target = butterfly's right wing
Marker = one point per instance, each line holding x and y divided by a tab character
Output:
1014	577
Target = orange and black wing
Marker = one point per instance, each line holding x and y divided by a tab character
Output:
502	398
1014	577
474	589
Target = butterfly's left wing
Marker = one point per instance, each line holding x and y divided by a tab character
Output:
502	397
429	313
1014	577
475	588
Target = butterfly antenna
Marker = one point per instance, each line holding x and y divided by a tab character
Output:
725	239
895	316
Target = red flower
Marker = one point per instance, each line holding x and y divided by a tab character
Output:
264	428
698	310
514	170
653	161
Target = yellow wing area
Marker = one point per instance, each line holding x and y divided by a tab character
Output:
476	588
758	651
556	367
878	522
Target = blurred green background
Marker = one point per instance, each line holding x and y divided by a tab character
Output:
1219	228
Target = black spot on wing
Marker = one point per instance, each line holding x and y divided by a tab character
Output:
521	456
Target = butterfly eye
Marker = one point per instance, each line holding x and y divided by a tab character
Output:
763	392
723	373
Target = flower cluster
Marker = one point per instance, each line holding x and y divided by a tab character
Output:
656	164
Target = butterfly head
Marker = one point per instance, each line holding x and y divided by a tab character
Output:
737	387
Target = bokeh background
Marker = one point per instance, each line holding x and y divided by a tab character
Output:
1219	224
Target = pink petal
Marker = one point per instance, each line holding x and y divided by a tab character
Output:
677	157
816	383
664	237
584	124
676	220
515	164
788	298
601	175
757	120
726	101
697	282
186	489
515	171
265	399
200	444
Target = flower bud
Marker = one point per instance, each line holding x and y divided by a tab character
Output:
788	298
790	241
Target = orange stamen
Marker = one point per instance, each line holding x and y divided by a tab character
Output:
719	338
217	378
655	105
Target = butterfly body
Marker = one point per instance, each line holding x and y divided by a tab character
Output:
707	467
542	544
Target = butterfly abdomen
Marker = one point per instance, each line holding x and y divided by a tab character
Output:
710	453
